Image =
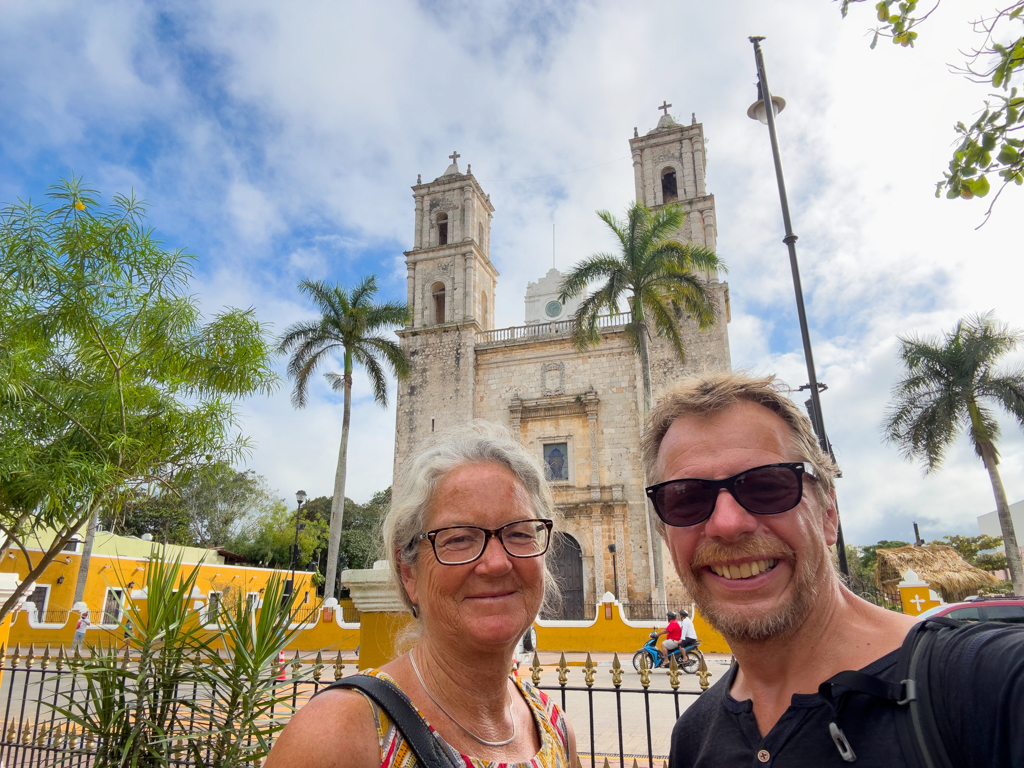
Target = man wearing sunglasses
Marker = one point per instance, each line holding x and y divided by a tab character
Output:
745	499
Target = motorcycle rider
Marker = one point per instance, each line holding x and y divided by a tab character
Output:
673	635
689	633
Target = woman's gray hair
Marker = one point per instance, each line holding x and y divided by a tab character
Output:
478	442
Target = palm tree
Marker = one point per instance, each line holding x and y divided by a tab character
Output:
349	324
659	277
950	387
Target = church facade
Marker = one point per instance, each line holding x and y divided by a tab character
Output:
580	413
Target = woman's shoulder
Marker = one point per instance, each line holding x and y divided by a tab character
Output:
335	729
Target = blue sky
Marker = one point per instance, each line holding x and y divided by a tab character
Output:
279	141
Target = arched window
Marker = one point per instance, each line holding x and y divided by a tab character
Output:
480	233
437	291
483	309
669	192
442	229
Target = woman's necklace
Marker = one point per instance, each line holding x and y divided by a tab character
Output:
509	740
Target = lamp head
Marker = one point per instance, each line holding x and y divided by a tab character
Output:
756	111
300	496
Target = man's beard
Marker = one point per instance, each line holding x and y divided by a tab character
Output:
737	622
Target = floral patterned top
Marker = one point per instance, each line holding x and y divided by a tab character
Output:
554	736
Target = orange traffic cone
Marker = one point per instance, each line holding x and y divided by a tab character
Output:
282	666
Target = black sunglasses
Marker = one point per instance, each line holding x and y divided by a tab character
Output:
766	490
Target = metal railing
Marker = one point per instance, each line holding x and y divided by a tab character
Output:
34	734
647	610
561	327
881	597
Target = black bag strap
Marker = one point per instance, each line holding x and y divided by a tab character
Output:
918	726
400	710
919	733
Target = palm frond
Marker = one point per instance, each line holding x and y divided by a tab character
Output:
587	271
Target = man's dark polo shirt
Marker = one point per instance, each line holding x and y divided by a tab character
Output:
978	703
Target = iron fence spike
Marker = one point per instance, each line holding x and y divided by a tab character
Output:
563	671
673	672
645	672
588	671
535	670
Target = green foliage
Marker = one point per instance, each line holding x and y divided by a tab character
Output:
204	511
868	559
1004	587
267	537
352	326
988	145
970	546
111	382
174	682
165	517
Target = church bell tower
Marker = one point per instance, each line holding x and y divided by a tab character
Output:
668	167
450	295
450	275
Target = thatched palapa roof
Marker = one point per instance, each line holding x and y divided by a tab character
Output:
940	566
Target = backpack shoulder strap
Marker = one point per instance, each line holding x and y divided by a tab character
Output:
919	734
921	653
400	710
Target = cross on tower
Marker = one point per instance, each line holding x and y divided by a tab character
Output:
918	602
454	156
665	105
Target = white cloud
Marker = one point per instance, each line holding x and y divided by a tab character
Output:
280	141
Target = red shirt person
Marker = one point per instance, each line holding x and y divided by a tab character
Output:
673	634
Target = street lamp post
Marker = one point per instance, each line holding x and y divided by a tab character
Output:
615	570
764	110
300	497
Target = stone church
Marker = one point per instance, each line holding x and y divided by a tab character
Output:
580	413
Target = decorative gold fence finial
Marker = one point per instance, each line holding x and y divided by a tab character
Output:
703	674
535	670
318	666
673	673
563	671
645	672
616	671
588	672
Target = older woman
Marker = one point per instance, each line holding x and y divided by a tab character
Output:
469	525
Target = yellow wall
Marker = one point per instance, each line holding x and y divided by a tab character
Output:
378	632
111	568
611	633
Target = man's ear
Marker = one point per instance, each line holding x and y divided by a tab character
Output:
830	520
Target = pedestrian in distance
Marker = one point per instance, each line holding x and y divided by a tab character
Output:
745	498
466	536
82	625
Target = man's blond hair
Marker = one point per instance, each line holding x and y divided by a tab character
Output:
713	393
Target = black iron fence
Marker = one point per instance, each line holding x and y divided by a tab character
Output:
35	734
648	610
881	597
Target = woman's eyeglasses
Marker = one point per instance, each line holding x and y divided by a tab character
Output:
460	544
766	490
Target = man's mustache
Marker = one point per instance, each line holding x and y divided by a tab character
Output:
757	546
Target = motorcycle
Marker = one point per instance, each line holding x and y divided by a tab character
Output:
688	661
